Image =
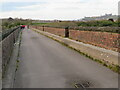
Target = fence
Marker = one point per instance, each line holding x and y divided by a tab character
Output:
101	39
8	40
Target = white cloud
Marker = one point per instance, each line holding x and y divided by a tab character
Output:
63	9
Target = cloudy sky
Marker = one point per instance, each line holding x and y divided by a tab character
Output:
56	9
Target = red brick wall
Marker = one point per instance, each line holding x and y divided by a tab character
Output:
56	31
37	27
101	39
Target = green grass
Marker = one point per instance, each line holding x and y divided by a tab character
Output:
57	24
101	23
109	26
18	61
39	24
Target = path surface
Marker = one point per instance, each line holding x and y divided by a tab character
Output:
45	63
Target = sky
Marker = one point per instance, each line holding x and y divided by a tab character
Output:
57	9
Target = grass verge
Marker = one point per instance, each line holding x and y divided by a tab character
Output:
17	61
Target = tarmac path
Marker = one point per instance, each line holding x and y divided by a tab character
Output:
45	63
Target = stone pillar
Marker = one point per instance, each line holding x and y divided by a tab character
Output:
67	32
43	28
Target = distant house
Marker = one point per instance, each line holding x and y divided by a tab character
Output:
103	17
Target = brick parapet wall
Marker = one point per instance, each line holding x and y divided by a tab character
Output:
101	39
56	31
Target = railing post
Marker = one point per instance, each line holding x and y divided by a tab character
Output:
27	26
67	32
43	28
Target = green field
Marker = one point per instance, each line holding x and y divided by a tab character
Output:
103	25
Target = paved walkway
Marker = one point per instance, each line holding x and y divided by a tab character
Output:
45	63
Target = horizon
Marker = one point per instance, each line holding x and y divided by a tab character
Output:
57	10
56	19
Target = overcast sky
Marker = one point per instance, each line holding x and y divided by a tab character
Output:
57	9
